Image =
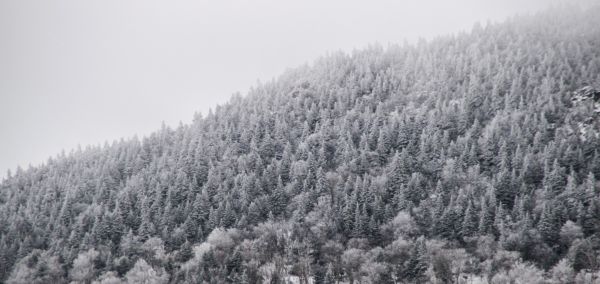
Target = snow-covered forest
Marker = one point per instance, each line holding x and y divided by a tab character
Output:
470	158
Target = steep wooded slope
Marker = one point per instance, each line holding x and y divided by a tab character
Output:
454	157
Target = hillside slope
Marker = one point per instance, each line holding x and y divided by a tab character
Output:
457	159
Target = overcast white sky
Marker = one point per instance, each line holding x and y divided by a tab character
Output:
84	72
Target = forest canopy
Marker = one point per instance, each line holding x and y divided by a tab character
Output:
471	157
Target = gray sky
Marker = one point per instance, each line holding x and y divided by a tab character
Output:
84	72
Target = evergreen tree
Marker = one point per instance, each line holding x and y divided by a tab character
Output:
548	226
555	180
417	263
469	225
486	218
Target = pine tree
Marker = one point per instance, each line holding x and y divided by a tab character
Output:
505	193
555	180
278	199
486	218
395	176
65	211
470	225
383	146
360	221
590	219
548	226
417	263
532	170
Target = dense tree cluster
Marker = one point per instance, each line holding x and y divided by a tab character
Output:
457	159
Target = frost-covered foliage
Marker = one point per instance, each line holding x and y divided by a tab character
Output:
454	160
